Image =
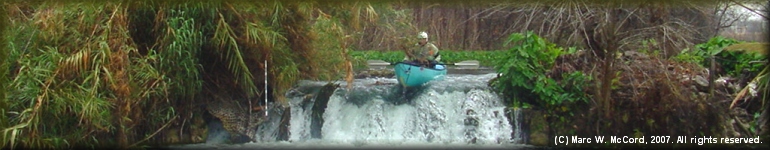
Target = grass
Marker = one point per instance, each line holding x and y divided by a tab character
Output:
756	47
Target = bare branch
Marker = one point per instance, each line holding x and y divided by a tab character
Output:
750	9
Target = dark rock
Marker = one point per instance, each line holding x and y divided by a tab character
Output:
536	127
307	100
383	73
538	139
283	128
523	124
236	119
386	73
319	107
362	74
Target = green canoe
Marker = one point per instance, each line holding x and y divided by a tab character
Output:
410	75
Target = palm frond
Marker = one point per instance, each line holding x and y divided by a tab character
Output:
258	33
225	39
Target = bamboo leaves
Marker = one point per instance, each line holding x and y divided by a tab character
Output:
179	57
225	38
84	71
61	79
258	33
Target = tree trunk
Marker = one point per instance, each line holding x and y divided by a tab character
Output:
606	89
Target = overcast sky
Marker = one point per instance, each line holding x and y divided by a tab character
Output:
752	15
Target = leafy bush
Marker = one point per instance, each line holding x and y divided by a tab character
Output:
703	51
524	68
734	62
731	62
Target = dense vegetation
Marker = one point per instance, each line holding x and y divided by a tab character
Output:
106	74
646	92
732	62
524	68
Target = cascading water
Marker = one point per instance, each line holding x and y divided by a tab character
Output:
518	133
461	110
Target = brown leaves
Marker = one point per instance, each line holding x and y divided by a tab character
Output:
50	22
76	64
651	88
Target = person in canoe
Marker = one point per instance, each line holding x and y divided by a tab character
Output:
424	53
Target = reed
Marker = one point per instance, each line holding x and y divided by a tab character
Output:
117	74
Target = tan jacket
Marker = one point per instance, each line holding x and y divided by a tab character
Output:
427	51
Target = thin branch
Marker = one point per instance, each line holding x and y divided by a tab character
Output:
156	132
750	9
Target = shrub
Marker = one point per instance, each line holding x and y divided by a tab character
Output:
733	63
523	77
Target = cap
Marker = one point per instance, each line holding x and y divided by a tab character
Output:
422	35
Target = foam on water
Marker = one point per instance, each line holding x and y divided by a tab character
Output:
459	111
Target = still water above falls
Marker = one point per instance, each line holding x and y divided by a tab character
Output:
460	110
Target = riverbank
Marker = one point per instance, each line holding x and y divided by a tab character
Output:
652	96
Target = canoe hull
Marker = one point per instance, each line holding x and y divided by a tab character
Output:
410	75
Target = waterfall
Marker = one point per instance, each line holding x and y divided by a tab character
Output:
460	110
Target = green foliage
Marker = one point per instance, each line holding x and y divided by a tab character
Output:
179	59
690	56
360	57
524	67
732	62
735	62
485	58
75	76
4	67
574	85
65	88
754	123
703	51
646	45
59	93
331	44
225	39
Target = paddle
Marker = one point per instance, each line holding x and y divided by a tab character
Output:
462	64
468	64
